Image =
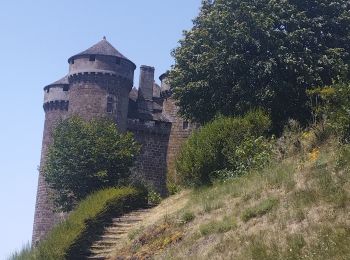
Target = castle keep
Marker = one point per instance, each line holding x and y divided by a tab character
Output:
100	84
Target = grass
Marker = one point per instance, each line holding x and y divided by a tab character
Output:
295	208
187	217
221	226
73	237
24	254
259	210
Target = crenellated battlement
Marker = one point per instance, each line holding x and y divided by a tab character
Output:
56	105
107	80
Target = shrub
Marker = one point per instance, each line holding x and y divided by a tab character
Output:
86	157
331	105
72	238
226	143
154	197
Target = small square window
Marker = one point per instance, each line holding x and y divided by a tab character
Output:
92	58
66	88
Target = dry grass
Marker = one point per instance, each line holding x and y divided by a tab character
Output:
297	208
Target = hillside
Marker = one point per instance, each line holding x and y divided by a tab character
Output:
296	208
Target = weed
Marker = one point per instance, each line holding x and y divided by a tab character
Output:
187	217
260	209
222	226
154	197
135	232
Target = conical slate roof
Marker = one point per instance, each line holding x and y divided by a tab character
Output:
62	81
101	48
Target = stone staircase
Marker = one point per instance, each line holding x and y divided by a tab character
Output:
116	232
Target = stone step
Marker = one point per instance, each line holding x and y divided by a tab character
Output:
95	248
106	242
118	229
97	257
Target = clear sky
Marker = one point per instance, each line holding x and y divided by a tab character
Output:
37	38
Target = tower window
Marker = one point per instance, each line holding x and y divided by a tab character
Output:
185	125
66	88
92	58
117	61
109	105
72	61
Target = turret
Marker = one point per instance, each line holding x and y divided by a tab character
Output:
100	80
56	108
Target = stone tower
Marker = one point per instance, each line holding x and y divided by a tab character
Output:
100	80
97	85
56	108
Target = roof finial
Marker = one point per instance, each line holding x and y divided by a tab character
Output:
104	37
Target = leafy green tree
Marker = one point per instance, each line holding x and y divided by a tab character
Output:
85	157
243	54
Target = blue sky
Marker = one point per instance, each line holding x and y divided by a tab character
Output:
37	38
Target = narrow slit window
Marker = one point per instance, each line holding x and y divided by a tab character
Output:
109	105
92	58
185	125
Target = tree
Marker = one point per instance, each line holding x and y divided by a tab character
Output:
85	157
243	54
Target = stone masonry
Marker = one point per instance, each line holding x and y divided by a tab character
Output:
100	84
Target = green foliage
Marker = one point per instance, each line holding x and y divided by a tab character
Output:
172	187
187	217
71	238
260	209
23	254
221	226
331	105
154	197
243	54
85	157
234	144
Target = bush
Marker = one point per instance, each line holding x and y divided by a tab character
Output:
234	144
86	157
72	238
331	106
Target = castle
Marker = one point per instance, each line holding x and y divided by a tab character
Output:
100	84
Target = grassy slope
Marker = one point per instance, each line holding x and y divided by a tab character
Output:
294	209
74	236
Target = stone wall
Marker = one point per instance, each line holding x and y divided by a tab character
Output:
151	163
180	130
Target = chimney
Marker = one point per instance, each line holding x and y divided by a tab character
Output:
145	96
